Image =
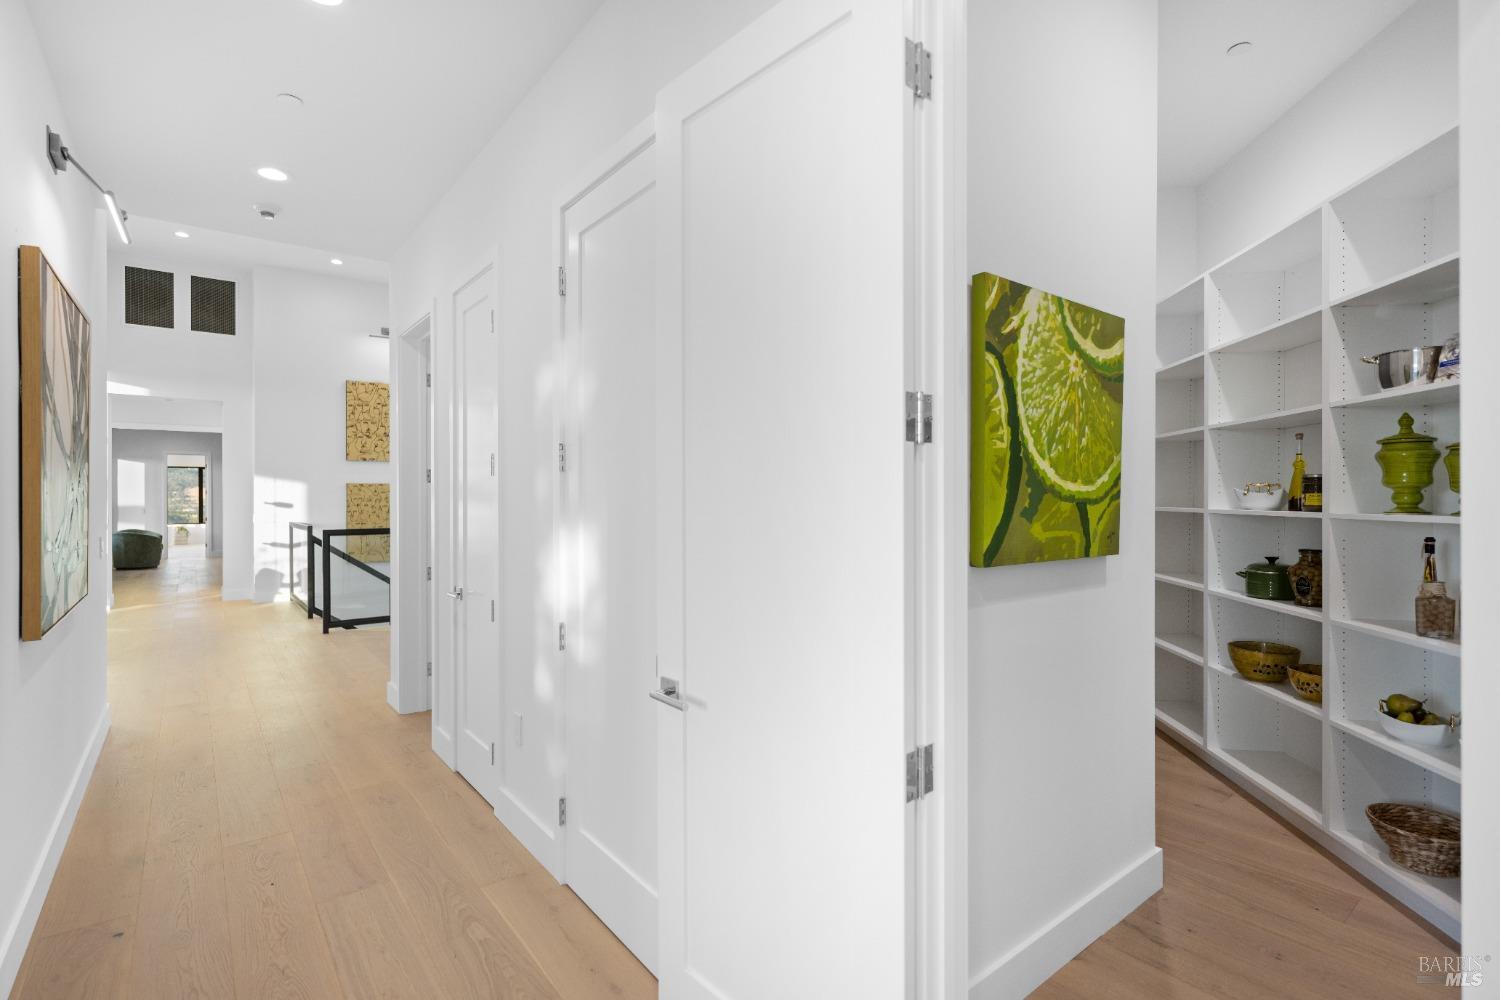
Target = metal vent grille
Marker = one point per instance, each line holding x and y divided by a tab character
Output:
213	305
148	297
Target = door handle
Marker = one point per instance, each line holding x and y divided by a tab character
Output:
669	695
457	595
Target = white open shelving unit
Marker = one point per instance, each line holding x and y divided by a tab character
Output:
1256	349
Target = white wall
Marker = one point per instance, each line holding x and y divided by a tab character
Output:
1061	756
53	714
1394	94
205	367
603	84
150	448
1176	239
311	333
1479	166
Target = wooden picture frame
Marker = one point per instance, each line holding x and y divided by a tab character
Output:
56	381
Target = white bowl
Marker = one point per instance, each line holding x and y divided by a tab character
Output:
1416	734
1260	501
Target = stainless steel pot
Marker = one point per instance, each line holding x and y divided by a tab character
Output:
1417	365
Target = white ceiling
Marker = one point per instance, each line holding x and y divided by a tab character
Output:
1212	104
154	242
172	104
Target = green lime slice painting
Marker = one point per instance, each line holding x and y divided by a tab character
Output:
1046	406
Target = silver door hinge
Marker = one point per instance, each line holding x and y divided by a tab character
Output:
492	755
918	69
429	380
492	610
492	321
562	811
919	773
919	417
429	475
429	572
562	457
429	668
562	636
492	463
562	280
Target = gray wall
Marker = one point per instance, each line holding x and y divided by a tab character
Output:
152	448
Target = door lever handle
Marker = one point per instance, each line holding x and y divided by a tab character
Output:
669	695
457	595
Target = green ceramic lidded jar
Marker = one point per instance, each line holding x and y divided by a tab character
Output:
1406	462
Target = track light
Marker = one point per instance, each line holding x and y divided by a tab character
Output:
61	157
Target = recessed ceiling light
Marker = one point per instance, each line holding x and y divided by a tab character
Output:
328	3
180	235
336	262
272	174
1238	49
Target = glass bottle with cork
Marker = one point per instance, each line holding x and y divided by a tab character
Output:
1299	469
1436	612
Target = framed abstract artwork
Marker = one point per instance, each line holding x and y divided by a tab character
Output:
55	372
368	505
367	421
1047	404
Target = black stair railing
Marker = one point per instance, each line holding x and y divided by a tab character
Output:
319	550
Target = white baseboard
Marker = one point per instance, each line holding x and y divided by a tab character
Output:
18	934
536	835
1032	962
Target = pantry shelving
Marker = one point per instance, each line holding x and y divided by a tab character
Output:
1255	351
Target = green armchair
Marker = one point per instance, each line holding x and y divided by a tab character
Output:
136	548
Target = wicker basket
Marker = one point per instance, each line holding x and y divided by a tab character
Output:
1264	662
1422	839
1307	681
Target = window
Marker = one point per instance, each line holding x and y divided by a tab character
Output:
184	494
148	297
213	305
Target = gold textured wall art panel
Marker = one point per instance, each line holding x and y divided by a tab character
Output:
367	421
368	505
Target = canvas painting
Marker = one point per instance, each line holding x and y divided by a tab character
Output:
368	505
1047	401
55	371
367	421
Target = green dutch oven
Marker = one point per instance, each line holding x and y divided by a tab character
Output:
1267	580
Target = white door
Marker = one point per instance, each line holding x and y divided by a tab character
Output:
476	593
609	337
783	470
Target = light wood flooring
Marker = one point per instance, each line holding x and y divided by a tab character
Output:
1248	910
261	824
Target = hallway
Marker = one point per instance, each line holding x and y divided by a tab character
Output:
261	824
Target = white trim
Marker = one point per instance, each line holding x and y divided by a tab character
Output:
1033	961
408	690
536	834
23	924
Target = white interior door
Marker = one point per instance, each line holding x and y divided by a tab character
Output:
784	611
610	490
476	592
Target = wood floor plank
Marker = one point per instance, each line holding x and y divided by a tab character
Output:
90	963
182	931
576	951
336	852
371	938
453	916
250	805
276	940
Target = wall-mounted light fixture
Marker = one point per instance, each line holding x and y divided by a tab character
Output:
61	157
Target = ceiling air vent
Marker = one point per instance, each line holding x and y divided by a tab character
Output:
213	305
148	297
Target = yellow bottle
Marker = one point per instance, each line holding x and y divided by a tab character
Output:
1299	466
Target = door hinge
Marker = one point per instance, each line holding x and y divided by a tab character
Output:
562	811
562	636
492	321
492	755
429	668
429	380
492	610
562	280
429	475
918	69
492	463
562	457
919	773
429	572
919	417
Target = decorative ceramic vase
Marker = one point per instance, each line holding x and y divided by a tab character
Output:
1307	578
1450	462
1406	461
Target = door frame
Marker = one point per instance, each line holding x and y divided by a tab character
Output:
414	524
